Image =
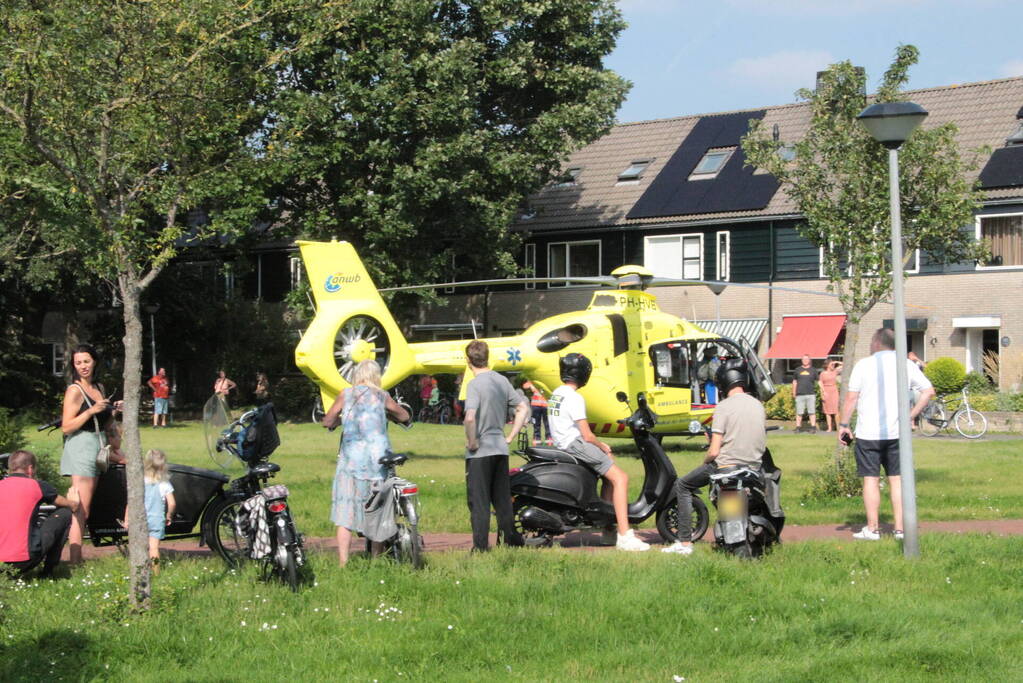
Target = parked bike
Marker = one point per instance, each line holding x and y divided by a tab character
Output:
253	520
554	494
399	499
967	420
750	518
437	413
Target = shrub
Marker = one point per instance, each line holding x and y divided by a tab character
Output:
781	406
978	383
293	398
11	432
984	402
836	478
946	374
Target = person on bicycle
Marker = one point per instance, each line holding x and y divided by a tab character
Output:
875	398
737	438
566	414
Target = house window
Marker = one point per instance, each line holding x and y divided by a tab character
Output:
679	256
1004	237
711	163
573	259
724	255
451	278
530	263
57	359
569	178
295	266
634	171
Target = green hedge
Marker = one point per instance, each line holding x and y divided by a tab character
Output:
946	374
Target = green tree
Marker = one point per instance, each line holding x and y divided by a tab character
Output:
132	115
416	129
837	174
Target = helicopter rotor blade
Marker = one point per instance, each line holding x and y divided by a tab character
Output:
599	281
720	285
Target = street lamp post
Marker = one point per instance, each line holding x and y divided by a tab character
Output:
891	123
151	309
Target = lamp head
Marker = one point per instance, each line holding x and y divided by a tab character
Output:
891	123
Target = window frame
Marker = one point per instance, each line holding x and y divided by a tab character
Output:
682	263
529	262
570	178
568	260
978	234
634	178
696	174
57	359
728	255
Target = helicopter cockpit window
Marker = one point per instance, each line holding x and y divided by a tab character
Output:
671	364
555	340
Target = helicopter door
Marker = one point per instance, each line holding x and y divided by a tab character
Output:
671	394
765	388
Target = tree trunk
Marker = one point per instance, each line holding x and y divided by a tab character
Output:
138	532
852	338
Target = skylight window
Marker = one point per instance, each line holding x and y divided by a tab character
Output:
711	163
569	178
634	171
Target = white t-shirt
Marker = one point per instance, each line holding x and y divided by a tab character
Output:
563	409
877	408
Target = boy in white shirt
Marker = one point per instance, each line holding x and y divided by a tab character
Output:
566	413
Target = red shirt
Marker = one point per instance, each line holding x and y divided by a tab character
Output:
161	387
20	496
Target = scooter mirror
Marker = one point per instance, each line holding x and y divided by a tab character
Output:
622	397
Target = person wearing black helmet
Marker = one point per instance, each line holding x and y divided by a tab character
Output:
737	438
566	413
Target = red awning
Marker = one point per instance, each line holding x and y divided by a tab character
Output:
806	335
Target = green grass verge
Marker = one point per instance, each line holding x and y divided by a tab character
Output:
956	479
810	611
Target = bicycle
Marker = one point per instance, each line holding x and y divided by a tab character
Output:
319	412
406	545
438	413
968	421
253	520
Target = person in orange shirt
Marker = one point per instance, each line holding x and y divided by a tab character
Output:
538	405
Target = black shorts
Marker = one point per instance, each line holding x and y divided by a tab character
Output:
871	455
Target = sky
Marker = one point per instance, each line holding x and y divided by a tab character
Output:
703	56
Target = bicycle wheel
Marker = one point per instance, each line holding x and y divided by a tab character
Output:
970	423
318	413
222	533
287	569
933	419
445	415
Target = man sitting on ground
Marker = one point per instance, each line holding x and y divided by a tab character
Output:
26	539
738	438
566	412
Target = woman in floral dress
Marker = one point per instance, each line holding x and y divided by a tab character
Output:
362	410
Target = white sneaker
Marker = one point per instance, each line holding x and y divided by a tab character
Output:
678	548
608	536
629	541
865	534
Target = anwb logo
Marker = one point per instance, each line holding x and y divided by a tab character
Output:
334	281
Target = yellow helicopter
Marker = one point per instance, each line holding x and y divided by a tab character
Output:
633	345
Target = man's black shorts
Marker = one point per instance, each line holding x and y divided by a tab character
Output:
871	455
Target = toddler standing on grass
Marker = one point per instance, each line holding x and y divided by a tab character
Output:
159	502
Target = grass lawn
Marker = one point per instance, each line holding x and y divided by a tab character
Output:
810	611
956	479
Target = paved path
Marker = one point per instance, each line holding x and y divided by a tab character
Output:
590	542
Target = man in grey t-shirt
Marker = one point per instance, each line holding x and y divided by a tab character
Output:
488	397
737	438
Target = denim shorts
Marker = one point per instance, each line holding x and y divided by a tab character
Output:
160	406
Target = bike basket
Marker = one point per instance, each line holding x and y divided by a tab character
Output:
259	438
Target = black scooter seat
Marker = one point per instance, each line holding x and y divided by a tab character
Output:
266	468
551	455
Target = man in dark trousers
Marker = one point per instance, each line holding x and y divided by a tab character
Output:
489	396
25	538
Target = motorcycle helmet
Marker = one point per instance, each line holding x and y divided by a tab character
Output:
575	367
732	373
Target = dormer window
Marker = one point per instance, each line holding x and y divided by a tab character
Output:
1017	137
711	163
569	178
634	171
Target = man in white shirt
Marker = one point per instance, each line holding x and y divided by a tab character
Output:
566	416
875	398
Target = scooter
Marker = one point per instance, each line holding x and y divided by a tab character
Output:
553	494
750	518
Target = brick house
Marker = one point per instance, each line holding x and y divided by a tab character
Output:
674	195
